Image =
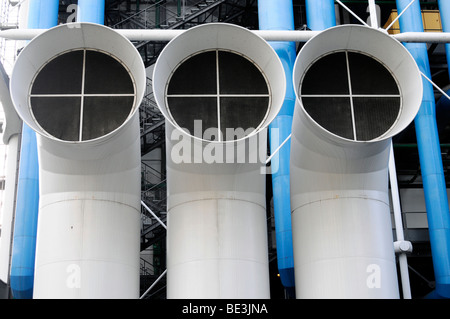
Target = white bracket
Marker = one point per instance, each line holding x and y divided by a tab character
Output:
403	246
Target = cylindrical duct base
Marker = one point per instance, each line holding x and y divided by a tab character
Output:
343	249
217	251
87	249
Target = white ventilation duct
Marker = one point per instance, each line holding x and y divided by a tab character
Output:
79	87
356	88
224	78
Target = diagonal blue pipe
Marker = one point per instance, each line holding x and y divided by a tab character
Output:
436	200
42	14
279	15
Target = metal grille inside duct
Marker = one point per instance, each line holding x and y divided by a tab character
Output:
218	91
81	95
351	95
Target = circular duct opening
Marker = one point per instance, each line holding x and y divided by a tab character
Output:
78	83
218	95
357	84
351	94
219	83
92	97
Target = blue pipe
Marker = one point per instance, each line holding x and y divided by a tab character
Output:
91	11
436	200
279	15
25	226
444	8
443	104
42	14
442	111
320	14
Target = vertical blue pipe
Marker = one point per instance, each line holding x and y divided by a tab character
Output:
279	15
91	11
320	14
444	8
443	105
436	200
43	15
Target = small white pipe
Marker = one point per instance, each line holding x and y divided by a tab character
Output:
402	258
435	85
278	149
153	285
373	14
352	13
286	35
21	34
153	214
428	37
8	209
165	35
268	35
150	35
395	197
398	16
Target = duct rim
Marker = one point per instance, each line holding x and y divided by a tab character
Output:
377	45
71	37
223	37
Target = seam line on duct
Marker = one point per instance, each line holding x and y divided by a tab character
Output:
203	199
217	258
81	260
319	260
340	197
91	199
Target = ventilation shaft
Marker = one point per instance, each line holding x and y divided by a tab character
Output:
79	87
356	88
219	86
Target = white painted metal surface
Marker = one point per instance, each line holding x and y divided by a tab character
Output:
342	232
88	237
398	224
216	229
